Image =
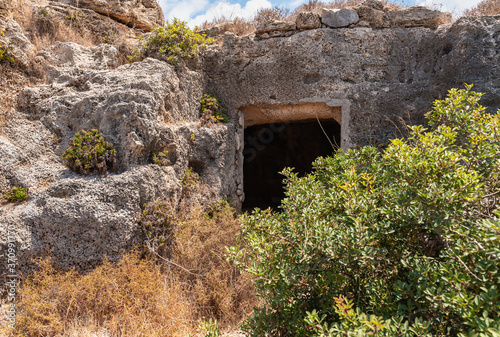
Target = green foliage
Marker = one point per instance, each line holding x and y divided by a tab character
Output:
409	236
16	194
190	180
211	328
161	158
170	43
212	111
354	323
90	153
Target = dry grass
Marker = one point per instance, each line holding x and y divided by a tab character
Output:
485	7
142	296
47	27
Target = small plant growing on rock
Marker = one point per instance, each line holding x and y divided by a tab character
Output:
212	111
90	153
158	222
5	51
189	180
16	194
170	43
160	158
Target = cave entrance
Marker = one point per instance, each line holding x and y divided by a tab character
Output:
270	147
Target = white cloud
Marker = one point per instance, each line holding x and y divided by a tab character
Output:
183	9
195	12
453	6
223	8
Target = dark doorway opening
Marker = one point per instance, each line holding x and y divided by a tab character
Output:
269	148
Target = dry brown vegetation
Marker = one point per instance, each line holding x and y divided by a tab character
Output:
145	296
485	7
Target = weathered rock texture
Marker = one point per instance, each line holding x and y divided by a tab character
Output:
14	43
337	18
141	108
368	77
100	28
142	14
383	74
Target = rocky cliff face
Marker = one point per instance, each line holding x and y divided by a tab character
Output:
373	72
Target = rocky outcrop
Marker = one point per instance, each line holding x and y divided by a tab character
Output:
87	23
140	14
275	29
16	46
308	20
141	108
418	16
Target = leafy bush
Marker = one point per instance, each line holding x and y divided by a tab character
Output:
16	194
410	235
171	42
212	111
90	153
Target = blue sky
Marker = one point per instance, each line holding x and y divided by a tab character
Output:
196	12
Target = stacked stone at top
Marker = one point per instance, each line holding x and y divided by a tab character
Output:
370	13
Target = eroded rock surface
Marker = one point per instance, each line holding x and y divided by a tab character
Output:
141	14
14	43
141	108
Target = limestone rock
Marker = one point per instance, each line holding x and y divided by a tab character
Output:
15	43
141	108
375	4
140	14
213	31
418	16
337	18
64	55
308	20
275	29
376	18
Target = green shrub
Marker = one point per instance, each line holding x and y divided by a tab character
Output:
410	235
170	43
212	111
16	194
90	153
161	158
